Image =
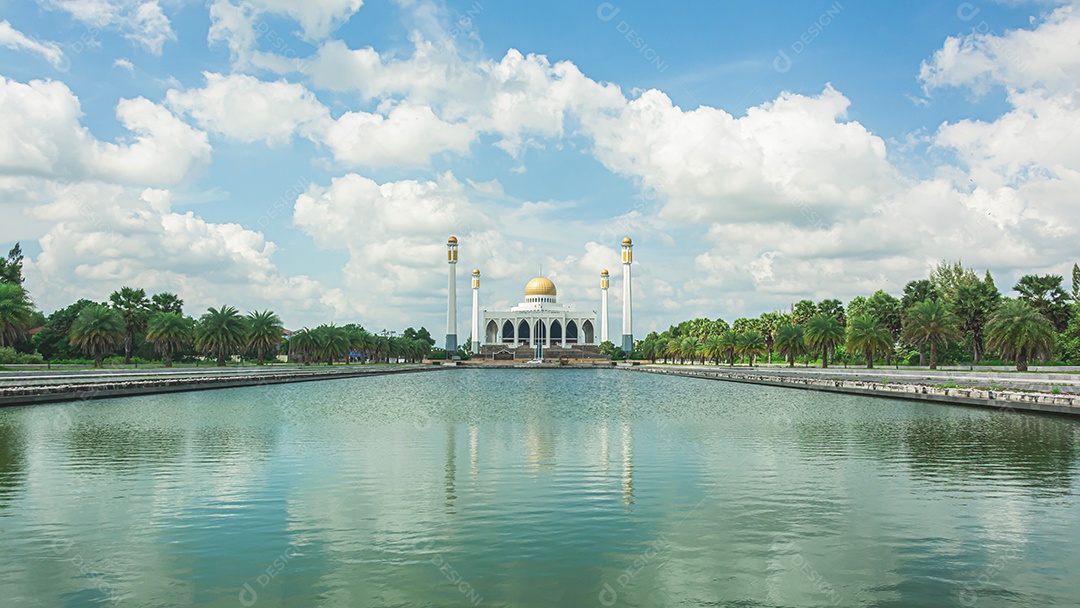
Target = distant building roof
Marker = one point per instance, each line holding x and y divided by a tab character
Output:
35	330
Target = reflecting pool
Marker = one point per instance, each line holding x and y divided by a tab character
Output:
535	488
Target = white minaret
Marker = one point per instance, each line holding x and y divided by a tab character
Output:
451	296
476	311
605	282
627	309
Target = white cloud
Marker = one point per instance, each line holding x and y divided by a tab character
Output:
16	40
785	160
1046	57
125	64
317	17
247	109
242	25
41	134
103	236
407	137
141	21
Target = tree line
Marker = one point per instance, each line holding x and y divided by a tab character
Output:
155	328
952	316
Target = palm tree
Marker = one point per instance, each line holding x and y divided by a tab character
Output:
930	322
301	345
135	309
98	329
824	332
166	302
866	334
264	332
729	342
791	342
220	332
751	344
1020	332
332	341
360	340
688	348
714	348
169	332
16	310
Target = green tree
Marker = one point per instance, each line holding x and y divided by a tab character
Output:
220	332
947	277
607	348
824	332
1046	295
914	293
16	313
690	348
133	306
97	330
803	310
714	348
169	332
360	341
1076	281
768	323
750	344
791	342
264	332
54	340
868	335
1020	332
833	308
930	323
300	345
166	302
11	268
859	305
729	341
889	311
332	342
973	303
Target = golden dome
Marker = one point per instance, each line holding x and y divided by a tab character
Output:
540	286
627	241
604	272
452	239
476	272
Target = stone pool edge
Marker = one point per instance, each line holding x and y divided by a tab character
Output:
1042	403
54	393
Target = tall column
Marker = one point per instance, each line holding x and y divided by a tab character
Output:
451	296
476	341
627	308
605	282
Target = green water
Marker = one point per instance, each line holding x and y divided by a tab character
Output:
535	488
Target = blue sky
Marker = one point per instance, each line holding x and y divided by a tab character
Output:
312	157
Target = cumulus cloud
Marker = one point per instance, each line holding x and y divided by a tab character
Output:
16	40
141	21
247	109
103	236
407	136
785	160
41	134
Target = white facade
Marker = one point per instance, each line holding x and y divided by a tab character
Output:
540	320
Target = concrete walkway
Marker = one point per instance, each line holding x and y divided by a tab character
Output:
82	387
902	386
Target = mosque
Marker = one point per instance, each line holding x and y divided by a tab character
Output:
539	327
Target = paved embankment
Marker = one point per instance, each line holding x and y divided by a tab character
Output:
28	391
1043	402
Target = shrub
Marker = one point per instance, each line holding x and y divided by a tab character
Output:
9	356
